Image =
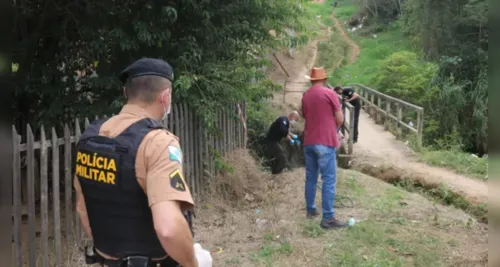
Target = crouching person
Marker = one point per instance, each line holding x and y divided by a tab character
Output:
278	130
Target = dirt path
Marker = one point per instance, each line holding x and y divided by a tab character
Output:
379	147
354	47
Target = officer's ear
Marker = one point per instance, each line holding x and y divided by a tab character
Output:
164	96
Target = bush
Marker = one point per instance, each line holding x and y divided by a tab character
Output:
405	76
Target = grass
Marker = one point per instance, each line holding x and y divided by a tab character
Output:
324	10
459	161
394	227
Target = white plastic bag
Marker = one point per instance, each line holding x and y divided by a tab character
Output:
203	256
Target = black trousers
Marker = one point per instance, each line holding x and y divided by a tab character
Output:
275	157
357	110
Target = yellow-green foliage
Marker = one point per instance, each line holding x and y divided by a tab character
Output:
405	76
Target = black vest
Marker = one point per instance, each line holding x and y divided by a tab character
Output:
118	210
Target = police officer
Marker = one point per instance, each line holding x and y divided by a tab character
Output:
348	94
131	194
278	130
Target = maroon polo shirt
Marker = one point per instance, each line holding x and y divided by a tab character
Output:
319	105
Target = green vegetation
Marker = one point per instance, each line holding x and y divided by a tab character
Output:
423	62
373	52
459	161
217	49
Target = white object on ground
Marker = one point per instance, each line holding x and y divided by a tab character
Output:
351	222
203	256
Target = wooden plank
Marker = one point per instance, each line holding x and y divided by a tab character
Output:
171	120
201	151
420	128
393	99
378	119
188	130
342	128
234	117
245	137
16	193
399	119
44	205
56	201
238	129
387	120
372	101
350	141
68	187
225	131
30	140
183	133
78	223
36	144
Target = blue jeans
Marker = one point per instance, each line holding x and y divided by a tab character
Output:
321	159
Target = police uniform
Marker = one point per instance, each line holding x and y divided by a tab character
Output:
278	130
348	93
124	165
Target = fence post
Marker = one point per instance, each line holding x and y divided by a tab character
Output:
378	119
351	132
420	127
44	205
16	190
68	190
342	128
372	104
400	119
56	203
30	151
387	118
78	233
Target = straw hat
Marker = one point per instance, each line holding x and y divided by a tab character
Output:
317	73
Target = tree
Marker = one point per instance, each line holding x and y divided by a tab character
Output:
215	46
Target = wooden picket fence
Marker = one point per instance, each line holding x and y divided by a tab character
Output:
46	225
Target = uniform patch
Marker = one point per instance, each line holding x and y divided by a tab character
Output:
177	181
175	154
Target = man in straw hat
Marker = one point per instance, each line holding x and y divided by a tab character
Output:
321	110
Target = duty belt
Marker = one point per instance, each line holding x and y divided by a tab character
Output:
92	257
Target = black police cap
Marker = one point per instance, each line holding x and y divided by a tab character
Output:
147	66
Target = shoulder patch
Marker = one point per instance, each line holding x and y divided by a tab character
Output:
177	181
175	154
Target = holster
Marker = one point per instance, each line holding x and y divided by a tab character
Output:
92	257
